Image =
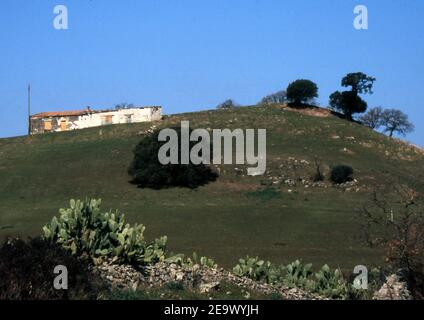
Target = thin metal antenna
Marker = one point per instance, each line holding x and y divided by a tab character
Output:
29	109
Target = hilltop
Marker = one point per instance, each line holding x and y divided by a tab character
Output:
281	216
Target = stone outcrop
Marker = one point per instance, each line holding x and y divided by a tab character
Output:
393	289
196	277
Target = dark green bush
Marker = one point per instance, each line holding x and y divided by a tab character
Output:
228	104
26	269
147	172
301	91
341	174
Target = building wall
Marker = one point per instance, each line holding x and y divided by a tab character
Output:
95	119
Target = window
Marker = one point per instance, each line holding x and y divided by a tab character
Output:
47	125
107	119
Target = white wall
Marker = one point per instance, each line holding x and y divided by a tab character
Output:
118	116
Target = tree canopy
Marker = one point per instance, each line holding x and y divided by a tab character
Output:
301	91
227	104
359	82
349	102
396	121
277	97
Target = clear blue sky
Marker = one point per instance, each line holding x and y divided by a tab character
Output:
191	55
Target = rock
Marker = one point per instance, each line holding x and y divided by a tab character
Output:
121	276
393	289
208	287
203	278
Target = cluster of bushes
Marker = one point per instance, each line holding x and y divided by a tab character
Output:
81	236
338	174
26	269
195	259
302	92
326	282
84	230
299	93
84	235
395	221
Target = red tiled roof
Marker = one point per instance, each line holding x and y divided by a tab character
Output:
62	113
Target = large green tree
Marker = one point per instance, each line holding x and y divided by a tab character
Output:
359	82
349	102
301	92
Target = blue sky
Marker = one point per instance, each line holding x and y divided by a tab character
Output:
190	55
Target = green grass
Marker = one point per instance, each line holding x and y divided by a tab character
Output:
266	194
233	217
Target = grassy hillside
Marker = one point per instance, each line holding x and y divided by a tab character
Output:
235	216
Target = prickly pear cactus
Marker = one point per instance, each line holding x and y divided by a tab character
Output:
85	230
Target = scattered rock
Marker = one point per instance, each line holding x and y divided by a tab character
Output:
393	289
208	287
147	131
196	277
120	276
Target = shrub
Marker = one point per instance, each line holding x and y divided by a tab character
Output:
301	91
148	172
297	275
253	268
279	97
84	230
195	259
201	261
331	283
395	221
27	272
341	174
227	104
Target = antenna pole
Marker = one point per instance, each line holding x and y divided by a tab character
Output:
29	109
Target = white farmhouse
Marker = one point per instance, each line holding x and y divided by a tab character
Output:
87	118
